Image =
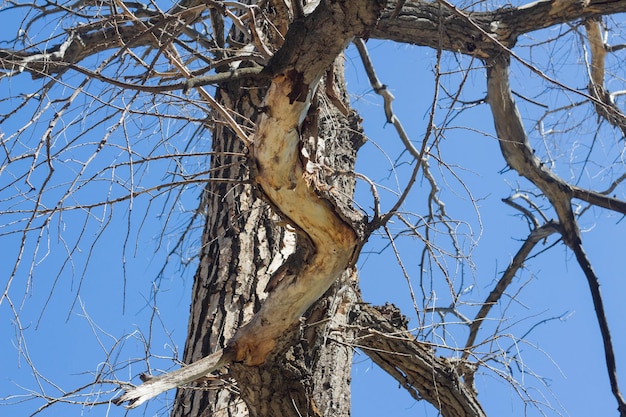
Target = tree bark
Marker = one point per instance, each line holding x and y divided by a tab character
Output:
244	244
282	234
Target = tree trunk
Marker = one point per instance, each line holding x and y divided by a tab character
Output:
243	245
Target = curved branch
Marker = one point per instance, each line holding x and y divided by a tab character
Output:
519	155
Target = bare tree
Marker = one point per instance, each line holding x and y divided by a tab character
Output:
276	309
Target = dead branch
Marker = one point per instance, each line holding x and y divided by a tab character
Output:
605	106
519	156
153	386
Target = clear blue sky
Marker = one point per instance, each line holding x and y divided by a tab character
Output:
107	306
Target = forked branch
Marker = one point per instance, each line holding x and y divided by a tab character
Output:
518	154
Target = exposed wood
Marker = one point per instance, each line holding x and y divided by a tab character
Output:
327	241
155	386
310	48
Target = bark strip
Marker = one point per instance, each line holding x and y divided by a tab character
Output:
330	244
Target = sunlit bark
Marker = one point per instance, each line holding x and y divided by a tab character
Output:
275	311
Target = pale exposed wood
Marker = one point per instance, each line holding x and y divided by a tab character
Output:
298	68
333	244
156	385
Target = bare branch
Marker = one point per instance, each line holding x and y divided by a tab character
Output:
598	303
484	34
413	364
537	235
518	154
605	106
153	386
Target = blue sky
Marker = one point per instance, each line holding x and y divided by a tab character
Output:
102	302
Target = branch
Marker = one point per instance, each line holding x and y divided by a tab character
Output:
81	43
414	365
605	106
382	90
184	86
596	296
537	235
599	199
518	154
517	151
153	386
423	22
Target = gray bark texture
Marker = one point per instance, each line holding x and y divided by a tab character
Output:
276	311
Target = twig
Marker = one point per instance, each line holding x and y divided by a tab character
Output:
535	237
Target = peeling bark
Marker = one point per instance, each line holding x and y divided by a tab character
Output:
255	279
309	49
329	243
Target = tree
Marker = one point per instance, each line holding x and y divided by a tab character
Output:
276	309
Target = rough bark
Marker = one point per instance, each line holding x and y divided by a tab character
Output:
444	383
441	25
257	277
297	379
240	243
329	244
